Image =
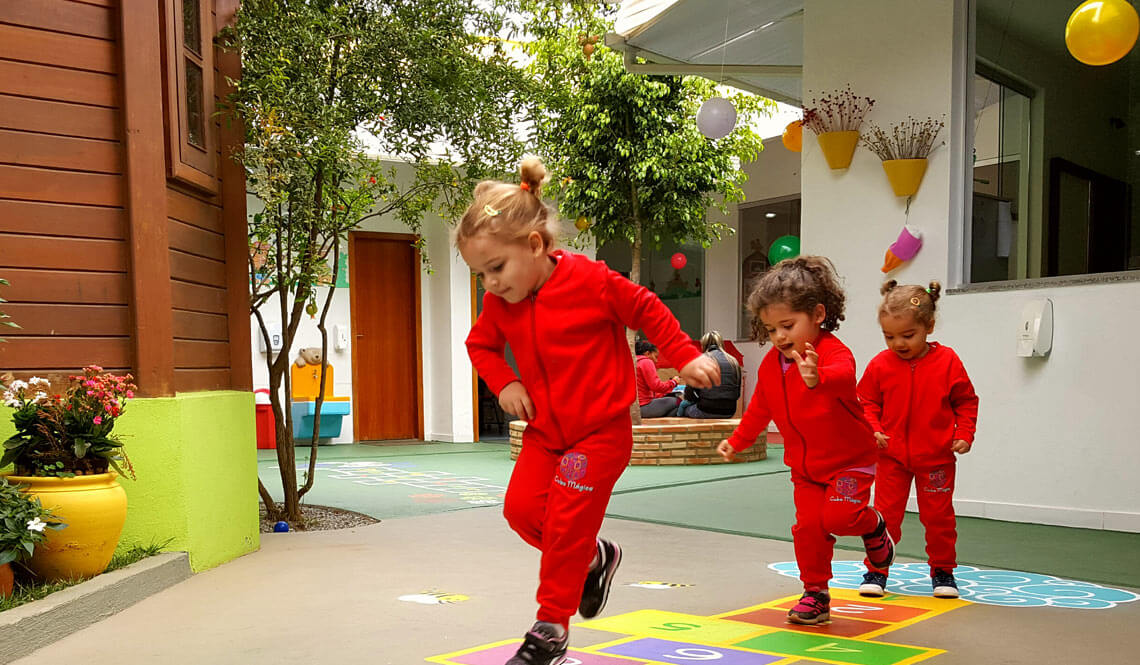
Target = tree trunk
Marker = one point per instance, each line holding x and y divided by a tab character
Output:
630	334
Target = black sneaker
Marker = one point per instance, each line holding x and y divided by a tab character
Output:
814	607
874	585
943	582
880	548
596	590
541	646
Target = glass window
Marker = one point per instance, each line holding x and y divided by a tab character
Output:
192	26
195	125
1056	150
680	290
761	223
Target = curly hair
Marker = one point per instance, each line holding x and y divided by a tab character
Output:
801	284
912	299
510	211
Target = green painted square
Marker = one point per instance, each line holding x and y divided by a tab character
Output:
835	649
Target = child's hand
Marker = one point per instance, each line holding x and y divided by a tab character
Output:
881	439
702	372
809	365
961	447
726	450
516	401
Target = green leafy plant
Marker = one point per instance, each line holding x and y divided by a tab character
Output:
23	523
69	433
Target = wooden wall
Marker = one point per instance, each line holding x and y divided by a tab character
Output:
86	212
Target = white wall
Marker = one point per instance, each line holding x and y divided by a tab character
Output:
445	320
1053	444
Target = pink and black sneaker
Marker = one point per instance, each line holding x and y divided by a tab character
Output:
541	646
814	607
879	545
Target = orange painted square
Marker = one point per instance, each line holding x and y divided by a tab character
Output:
839	626
883	612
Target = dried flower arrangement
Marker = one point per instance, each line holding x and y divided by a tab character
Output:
838	111
910	139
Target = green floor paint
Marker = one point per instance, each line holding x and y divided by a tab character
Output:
858	652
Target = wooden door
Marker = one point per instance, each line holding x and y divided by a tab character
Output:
387	370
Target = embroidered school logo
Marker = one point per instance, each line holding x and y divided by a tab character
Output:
573	466
938	478
847	486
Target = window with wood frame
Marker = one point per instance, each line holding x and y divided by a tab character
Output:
191	136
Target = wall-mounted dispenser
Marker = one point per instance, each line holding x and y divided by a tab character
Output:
1035	333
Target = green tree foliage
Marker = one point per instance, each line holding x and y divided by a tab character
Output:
322	80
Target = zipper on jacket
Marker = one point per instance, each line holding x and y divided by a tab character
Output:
909	409
788	413
542	368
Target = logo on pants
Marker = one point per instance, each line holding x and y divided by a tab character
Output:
847	486
573	466
937	480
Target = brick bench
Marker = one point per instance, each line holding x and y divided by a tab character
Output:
669	441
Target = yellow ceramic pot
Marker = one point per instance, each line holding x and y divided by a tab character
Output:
94	509
905	175
838	147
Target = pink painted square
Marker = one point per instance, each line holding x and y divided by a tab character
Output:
500	654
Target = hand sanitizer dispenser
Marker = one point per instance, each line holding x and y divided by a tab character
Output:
1035	334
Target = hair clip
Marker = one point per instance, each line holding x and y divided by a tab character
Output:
525	186
927	290
915	301
491	212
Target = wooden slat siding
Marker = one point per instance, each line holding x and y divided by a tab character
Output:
232	194
194	211
197	354
52	48
60	152
197	298
57	219
194	380
35	184
51	352
61	16
193	240
196	325
197	270
46	117
72	287
68	320
62	85
141	52
24	251
98	3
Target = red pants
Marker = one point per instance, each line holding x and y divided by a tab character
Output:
556	500
935	506
839	507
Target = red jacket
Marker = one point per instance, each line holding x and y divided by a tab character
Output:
923	406
649	385
823	427
569	342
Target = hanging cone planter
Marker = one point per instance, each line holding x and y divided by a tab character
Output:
905	175
838	147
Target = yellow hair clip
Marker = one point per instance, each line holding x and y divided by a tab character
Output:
490	212
915	301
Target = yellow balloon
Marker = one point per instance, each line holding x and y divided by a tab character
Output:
794	136
582	223
1100	32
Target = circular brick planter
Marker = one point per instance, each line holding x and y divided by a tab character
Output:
669	441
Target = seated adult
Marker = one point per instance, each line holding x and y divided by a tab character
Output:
718	401
653	395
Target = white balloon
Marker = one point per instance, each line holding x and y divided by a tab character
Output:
716	117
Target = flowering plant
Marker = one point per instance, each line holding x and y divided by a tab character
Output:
23	521
67	434
837	111
909	139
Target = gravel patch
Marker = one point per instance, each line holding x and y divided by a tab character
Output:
319	518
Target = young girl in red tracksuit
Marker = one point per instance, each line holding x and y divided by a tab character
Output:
920	402
564	316
807	385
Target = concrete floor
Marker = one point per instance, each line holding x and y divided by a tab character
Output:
332	597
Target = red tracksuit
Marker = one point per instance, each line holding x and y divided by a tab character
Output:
649	385
923	405
828	445
569	342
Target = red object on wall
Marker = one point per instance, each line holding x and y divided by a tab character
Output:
266	425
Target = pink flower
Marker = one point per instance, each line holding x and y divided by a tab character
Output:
98	420
130	393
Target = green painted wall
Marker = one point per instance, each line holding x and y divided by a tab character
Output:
195	460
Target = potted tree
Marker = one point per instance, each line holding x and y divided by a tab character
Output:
904	151
66	456
24	525
835	118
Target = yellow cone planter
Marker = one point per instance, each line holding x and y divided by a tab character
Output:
838	147
94	509
905	175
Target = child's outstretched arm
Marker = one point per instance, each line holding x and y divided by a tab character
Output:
485	346
871	399
837	368
964	403
756	417
640	309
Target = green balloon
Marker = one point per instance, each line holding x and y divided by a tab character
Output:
784	247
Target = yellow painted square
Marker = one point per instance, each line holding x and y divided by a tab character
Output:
677	626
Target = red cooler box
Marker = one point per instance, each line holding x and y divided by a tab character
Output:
266	425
